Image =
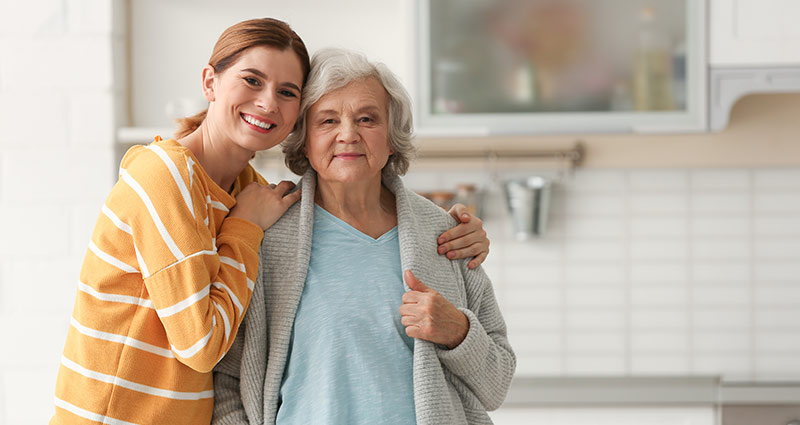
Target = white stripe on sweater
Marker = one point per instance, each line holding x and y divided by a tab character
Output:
176	175
124	383
225	321
234	298
199	345
111	259
183	304
140	260
152	210
117	298
116	220
96	417
216	204
122	339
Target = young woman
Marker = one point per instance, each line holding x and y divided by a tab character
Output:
171	263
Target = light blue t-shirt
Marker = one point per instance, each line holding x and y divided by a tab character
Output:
350	360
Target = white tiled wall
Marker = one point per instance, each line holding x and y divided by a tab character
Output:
59	85
651	272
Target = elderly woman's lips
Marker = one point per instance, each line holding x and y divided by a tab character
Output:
348	155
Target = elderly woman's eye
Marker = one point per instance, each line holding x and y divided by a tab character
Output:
365	119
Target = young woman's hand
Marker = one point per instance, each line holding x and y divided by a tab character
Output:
264	205
467	239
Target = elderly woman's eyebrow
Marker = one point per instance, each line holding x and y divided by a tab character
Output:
264	76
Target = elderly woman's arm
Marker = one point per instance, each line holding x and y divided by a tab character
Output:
473	341
228	407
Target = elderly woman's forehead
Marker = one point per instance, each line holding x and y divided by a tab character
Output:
357	90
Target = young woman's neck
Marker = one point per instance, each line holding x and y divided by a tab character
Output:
366	205
220	157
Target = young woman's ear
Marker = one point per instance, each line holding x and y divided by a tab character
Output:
209	79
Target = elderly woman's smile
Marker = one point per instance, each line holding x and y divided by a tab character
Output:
348	133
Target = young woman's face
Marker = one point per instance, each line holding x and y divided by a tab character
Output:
255	102
347	138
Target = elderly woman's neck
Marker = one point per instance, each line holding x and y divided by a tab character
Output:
366	205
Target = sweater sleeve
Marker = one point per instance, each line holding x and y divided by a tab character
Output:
484	360
199	283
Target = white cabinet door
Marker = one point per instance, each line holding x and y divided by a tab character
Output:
754	32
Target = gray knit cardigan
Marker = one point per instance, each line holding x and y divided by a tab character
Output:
453	386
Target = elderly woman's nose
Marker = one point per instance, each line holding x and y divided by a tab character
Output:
348	132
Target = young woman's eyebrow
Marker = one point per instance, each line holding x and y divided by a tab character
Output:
264	76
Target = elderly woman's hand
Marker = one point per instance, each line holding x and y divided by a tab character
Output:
428	315
467	239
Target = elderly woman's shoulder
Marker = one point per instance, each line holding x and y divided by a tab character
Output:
424	207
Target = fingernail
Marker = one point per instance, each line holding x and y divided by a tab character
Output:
451	254
441	239
442	250
465	215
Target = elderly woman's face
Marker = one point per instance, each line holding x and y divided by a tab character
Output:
348	132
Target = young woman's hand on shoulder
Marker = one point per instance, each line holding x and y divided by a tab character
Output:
264	205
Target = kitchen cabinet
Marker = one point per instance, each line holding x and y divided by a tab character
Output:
550	66
752	50
746	33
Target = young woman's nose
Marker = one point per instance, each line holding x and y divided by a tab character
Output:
267	101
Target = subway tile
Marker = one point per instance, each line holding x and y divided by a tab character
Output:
29	392
595	342
597	319
539	365
57	278
777	248
658	272
729	180
90	16
777	271
778	342
595	227
721	295
44	349
596	181
34	59
532	341
532	251
659	364
721	203
595	297
659	341
663	203
653	249
541	297
27	227
718	318
609	250
91	119
777	367
721	271
722	341
16	120
721	248
595	205
733	366
786	201
658	180
777	318
770	295
529	318
607	274
776	178
777	225
646	319
667	226
32	18
82	175
595	364
532	275
720	226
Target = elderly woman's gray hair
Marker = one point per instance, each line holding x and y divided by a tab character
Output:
332	69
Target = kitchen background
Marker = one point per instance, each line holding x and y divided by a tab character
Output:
665	288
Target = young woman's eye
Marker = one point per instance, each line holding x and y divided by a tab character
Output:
252	81
287	93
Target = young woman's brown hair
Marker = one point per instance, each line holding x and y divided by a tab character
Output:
240	37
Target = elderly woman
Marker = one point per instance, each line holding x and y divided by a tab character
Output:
334	336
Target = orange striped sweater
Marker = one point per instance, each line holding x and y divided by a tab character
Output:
162	291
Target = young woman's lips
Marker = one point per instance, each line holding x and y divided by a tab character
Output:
261	125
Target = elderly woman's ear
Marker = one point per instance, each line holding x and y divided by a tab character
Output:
467	239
